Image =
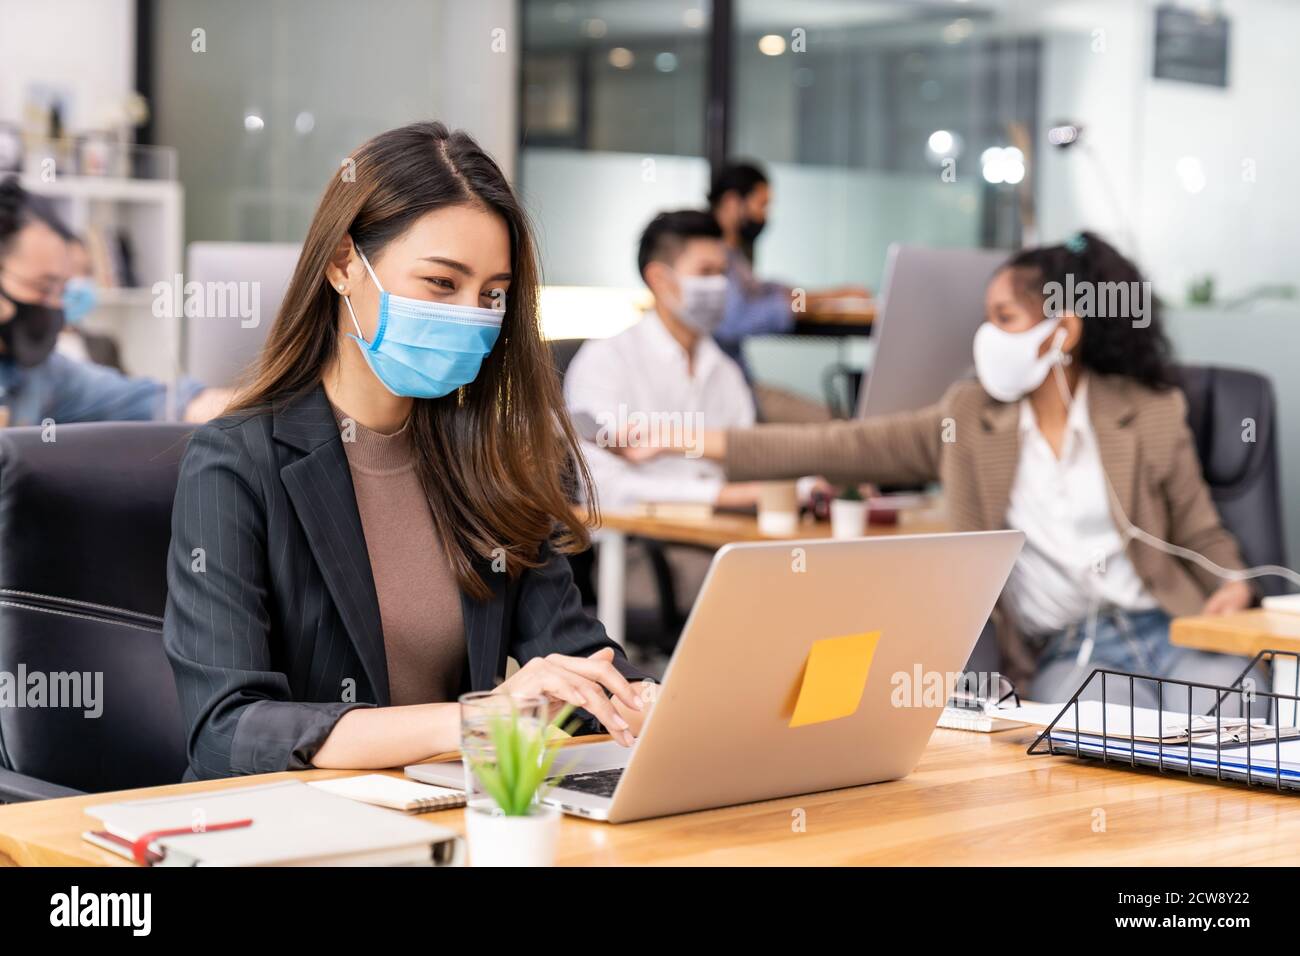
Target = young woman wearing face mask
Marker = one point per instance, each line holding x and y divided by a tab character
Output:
377	524
1069	404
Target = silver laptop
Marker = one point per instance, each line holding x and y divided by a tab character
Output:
244	284
721	730
931	303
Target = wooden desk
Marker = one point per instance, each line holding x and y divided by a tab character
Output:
856	321
1246	633
712	532
974	799
723	528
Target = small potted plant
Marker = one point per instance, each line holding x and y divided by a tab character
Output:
514	828
849	513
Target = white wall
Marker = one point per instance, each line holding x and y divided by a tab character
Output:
1094	65
1244	233
1139	128
86	47
590	208
477	85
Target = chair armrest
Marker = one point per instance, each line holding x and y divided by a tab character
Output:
19	788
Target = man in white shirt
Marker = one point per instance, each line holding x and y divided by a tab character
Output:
665	381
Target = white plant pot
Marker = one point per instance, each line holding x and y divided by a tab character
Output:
498	840
848	518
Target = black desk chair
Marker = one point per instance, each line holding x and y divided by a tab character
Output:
583	563
1225	407
562	353
85	522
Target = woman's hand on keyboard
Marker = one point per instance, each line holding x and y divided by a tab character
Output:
582	682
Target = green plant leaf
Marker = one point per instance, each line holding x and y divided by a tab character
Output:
519	771
490	780
503	739
527	779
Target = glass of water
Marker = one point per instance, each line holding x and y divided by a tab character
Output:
479	711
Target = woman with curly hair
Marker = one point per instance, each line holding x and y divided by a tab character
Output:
1074	433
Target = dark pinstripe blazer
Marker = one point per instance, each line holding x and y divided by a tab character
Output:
272	625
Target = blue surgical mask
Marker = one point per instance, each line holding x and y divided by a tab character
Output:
80	296
425	349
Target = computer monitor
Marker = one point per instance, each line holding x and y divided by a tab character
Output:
221	343
931	303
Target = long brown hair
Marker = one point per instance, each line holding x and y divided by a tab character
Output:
495	456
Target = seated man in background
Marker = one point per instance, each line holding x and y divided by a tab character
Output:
36	383
668	369
80	296
739	198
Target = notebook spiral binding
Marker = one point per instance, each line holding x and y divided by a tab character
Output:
448	801
1259	725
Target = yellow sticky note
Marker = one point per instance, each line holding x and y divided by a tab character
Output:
834	677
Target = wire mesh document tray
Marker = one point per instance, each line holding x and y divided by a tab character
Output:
1241	733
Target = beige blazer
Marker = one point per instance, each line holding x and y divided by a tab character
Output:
971	443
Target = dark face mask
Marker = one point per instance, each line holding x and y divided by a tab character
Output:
31	334
750	228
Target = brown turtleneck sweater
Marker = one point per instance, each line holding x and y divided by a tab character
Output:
419	598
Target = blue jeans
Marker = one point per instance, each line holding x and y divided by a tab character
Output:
1136	642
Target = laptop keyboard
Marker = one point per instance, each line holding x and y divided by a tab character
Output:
598	782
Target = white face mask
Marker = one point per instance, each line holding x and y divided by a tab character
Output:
703	302
1008	364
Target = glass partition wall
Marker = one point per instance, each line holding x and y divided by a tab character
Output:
612	128
873	119
869	116
926	121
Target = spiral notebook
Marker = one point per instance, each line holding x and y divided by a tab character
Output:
393	792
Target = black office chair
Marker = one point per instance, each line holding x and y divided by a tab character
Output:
1225	408
562	353
85	521
582	563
